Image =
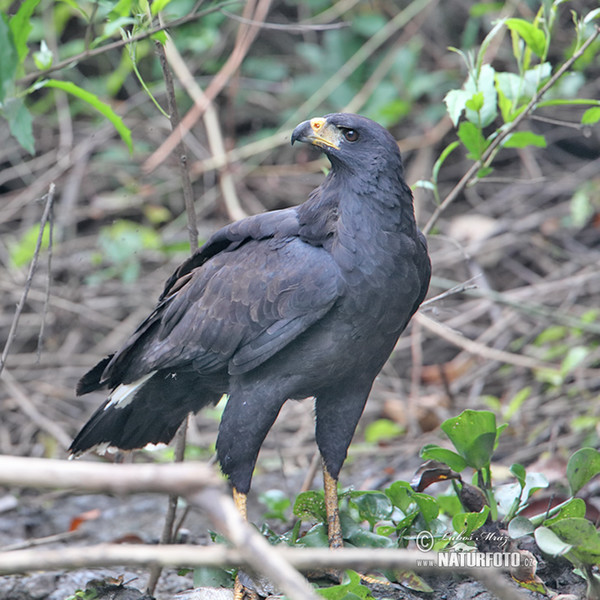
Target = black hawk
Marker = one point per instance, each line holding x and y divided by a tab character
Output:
303	302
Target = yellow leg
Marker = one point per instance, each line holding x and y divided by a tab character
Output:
239	591
334	528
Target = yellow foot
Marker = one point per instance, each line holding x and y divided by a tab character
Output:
242	593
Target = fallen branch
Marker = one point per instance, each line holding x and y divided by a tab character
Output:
303	559
197	482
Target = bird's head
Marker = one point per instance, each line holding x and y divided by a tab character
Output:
351	142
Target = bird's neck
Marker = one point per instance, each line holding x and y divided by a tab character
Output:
352	215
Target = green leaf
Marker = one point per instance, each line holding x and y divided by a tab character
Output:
427	505
455	104
519	472
521	139
316	537
310	506
382	430
582	466
475	103
22	252
400	493
43	58
277	504
574	358
472	138
534	38
20	25
211	577
350	589
372	506
363	538
467	523
9	62
482	94
473	434
516	402
455	461
442	158
550	543
593	14
582	536
158	5
96	103
520	526
572	508
591	116
20	123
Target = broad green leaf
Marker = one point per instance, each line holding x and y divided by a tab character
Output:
521	139
532	36
475	103
372	506
520	526
96	103
467	523
363	538
20	25
400	493
519	472
572	508
9	60
593	14
591	116
582	466
582	535
427	505
473	434
482	94
472	138
455	461
455	104
310	506
550	543
20	123
315	537
211	577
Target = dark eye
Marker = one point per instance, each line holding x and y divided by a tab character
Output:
351	135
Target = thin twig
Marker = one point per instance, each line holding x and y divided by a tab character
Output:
49	197
213	131
120	43
497	141
478	349
246	36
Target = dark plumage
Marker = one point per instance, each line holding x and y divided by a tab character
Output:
306	301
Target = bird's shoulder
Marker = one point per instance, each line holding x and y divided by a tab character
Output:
274	224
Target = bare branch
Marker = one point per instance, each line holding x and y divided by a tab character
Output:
49	197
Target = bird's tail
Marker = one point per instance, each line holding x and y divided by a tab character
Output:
146	411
